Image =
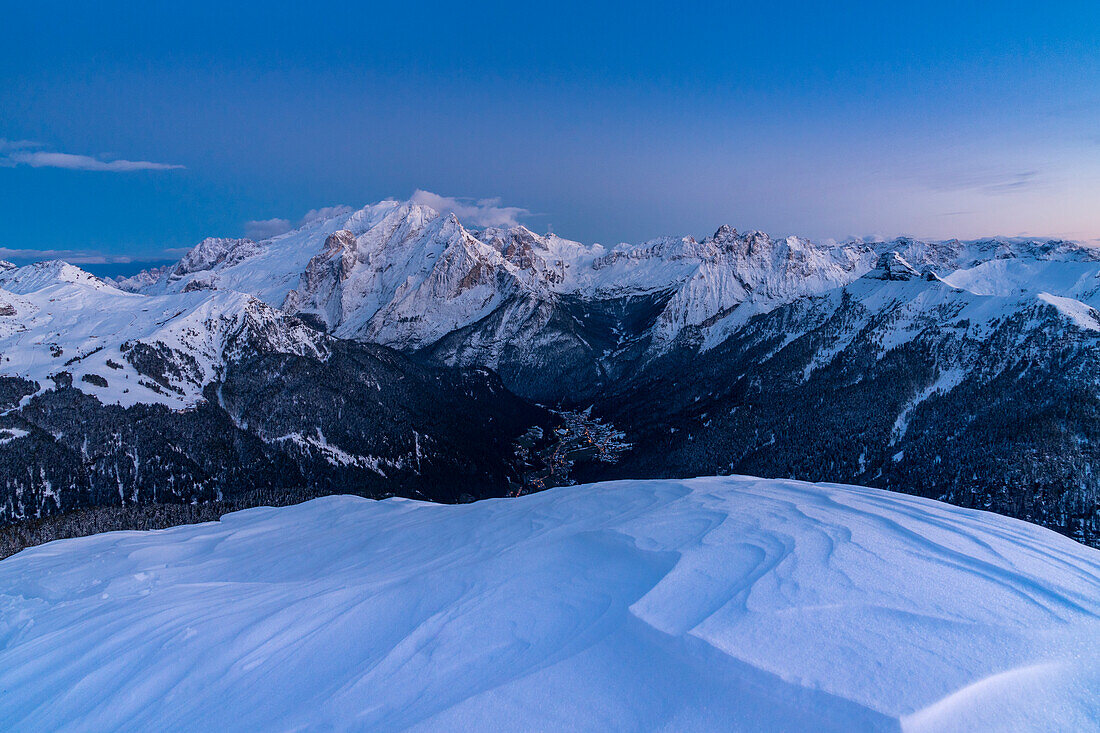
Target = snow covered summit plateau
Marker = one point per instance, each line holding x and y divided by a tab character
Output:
706	604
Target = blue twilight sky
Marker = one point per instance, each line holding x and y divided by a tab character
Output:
604	121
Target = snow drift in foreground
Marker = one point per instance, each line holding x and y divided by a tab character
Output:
715	603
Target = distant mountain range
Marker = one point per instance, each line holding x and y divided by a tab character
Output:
362	347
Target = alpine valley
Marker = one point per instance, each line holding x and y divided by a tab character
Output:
393	350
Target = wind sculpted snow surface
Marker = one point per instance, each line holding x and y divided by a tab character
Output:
716	603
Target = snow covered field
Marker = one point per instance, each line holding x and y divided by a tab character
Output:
717	603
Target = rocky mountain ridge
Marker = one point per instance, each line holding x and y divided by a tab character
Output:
110	397
412	278
958	370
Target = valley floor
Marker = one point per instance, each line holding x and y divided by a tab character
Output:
725	603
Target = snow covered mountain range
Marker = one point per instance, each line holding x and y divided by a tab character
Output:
404	275
59	317
913	357
707	604
111	397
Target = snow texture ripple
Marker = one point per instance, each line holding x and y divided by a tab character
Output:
727	603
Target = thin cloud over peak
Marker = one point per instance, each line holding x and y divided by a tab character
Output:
485	212
480	212
325	212
267	228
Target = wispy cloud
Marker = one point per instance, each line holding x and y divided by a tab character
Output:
480	212
472	212
267	228
326	212
72	256
6	144
1011	183
24	152
989	182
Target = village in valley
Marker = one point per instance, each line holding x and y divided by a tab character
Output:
549	458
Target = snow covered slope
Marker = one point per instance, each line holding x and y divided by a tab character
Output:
87	371
707	604
126	348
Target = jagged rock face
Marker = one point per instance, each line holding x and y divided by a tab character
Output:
143	280
194	285
211	252
527	252
8	308
321	287
892	266
407	280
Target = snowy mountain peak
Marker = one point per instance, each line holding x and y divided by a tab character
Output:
729	239
58	322
39	275
411	276
5	265
724	232
406	275
214	251
142	280
892	266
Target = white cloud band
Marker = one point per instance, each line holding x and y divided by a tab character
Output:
22	152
